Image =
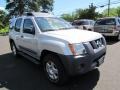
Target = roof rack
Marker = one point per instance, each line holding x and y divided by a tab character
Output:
28	14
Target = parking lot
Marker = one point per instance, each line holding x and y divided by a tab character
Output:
21	74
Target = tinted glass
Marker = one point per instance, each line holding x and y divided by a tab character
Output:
28	24
18	24
81	23
105	22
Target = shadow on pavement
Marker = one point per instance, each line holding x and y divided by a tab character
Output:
21	74
111	40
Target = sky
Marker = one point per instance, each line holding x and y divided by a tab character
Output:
68	6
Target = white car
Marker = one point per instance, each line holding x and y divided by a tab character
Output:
61	49
85	24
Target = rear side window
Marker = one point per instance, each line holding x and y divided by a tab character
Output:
106	22
18	24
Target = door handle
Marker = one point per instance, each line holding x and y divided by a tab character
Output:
22	36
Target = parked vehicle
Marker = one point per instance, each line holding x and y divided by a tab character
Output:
109	26
61	49
85	24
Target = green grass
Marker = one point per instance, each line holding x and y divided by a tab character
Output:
4	31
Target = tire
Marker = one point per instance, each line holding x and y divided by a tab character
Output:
89	30
54	70
84	28
117	37
14	49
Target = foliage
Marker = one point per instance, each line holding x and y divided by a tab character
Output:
2	16
113	12
47	5
68	17
88	13
4	30
17	7
118	11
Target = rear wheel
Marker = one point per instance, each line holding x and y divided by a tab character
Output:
89	30
54	70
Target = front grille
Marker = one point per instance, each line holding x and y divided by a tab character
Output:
97	43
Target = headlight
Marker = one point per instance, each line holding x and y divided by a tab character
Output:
77	49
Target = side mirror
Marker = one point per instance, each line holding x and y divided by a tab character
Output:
30	30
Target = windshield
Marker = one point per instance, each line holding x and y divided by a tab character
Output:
110	21
84	23
52	24
81	23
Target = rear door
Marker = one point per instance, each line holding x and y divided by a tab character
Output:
28	38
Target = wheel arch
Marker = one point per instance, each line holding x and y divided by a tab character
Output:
11	41
45	52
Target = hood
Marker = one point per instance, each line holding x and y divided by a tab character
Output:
74	35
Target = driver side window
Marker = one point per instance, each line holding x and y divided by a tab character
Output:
28	27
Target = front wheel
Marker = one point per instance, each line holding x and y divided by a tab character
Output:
54	70
118	37
14	49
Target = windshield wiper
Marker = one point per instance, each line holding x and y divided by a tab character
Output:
45	30
66	28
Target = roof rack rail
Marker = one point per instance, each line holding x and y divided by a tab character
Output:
28	14
44	11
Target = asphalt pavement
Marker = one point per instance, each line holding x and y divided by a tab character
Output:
21	74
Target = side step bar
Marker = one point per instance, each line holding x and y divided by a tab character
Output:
29	58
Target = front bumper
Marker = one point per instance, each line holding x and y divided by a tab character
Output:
114	33
82	64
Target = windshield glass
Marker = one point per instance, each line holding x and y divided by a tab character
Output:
81	23
84	23
52	24
110	21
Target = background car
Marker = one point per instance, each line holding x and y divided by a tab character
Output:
85	24
109	26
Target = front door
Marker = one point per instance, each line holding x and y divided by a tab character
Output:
28	38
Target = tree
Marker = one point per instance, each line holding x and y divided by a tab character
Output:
88	13
47	5
113	12
118	11
2	16
17	7
69	17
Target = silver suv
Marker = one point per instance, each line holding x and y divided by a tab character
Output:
108	27
57	45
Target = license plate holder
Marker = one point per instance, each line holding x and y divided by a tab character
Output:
101	60
98	63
